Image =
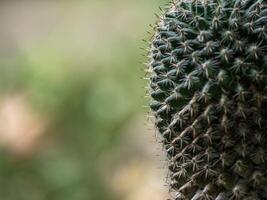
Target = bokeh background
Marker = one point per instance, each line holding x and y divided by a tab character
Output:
72	122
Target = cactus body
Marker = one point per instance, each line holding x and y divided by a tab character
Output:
208	83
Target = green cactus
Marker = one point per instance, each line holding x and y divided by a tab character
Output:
208	83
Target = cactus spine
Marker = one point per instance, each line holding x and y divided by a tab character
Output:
208	85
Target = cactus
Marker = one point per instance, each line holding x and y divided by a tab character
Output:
208	88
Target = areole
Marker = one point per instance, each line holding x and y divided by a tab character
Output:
208	87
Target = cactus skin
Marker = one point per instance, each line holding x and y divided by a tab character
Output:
208	83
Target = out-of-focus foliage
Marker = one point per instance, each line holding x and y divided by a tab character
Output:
76	67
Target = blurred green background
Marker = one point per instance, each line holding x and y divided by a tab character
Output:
72	126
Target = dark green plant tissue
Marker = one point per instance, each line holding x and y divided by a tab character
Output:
208	88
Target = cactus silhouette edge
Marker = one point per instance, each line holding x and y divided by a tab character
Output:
208	89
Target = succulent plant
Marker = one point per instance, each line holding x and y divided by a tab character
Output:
208	83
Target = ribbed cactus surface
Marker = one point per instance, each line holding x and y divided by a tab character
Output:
208	83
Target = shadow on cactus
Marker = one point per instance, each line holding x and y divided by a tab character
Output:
208	85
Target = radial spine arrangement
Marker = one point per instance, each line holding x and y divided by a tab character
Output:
208	88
